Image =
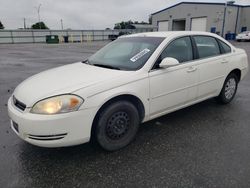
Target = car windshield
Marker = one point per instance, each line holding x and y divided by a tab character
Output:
128	53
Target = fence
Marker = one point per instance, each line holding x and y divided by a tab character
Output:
39	36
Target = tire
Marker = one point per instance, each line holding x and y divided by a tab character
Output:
117	125
229	89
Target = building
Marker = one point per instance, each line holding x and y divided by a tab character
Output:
220	18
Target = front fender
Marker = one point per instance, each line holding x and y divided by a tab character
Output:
139	89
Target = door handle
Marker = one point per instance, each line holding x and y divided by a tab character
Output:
191	69
224	61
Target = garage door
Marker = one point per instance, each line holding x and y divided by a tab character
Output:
163	26
199	24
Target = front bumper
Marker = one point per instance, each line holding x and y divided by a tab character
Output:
52	130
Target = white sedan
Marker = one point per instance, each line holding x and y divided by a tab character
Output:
244	36
132	80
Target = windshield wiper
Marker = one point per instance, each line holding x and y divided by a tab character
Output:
107	66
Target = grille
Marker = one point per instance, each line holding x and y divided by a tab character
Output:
47	137
19	104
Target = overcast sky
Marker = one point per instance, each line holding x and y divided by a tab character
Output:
81	14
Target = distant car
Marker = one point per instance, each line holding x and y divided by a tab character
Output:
244	36
132	80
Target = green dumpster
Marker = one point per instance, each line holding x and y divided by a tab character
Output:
52	39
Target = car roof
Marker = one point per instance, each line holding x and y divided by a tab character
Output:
170	33
174	34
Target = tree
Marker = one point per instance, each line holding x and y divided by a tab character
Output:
1	25
127	24
39	25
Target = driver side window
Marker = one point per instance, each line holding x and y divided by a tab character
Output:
180	49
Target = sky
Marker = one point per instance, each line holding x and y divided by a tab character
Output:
82	14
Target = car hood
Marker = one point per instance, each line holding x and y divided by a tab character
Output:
62	80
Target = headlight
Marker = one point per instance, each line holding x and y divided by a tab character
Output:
57	105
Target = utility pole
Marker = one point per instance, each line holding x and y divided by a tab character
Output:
38	13
62	24
225	14
24	23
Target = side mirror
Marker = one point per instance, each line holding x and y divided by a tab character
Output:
169	62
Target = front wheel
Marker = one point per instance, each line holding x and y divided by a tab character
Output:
229	89
117	125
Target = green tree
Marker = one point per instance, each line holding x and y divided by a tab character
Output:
1	25
124	25
39	25
127	24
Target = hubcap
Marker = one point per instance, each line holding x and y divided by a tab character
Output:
230	88
118	125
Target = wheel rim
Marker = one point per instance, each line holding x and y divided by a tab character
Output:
230	88
118	125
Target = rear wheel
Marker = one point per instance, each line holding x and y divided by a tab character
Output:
117	125
229	89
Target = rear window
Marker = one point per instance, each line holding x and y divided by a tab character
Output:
225	48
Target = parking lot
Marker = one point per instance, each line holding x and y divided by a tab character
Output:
206	145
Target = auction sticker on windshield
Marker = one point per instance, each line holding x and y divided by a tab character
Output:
140	55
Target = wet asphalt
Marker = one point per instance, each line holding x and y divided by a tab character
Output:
206	145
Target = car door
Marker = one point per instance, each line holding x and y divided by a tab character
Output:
213	66
175	86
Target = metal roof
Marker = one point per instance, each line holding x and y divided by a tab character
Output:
201	3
